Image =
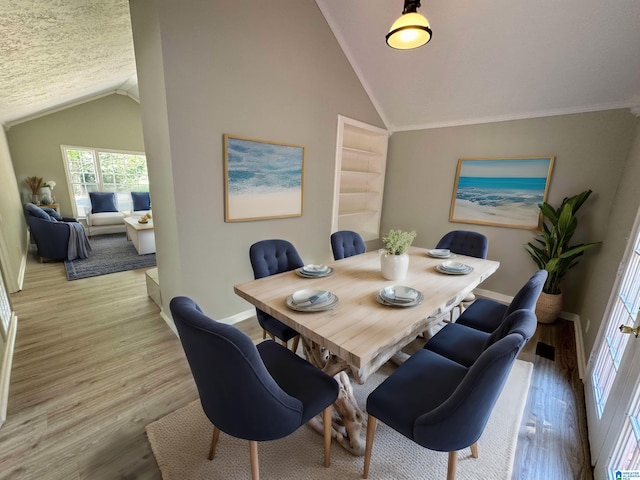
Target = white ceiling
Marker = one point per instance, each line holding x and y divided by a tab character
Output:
488	60
493	60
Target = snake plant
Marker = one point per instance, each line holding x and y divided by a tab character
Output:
553	251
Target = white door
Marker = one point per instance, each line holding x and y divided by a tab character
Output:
612	383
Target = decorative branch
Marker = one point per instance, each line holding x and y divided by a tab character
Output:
34	183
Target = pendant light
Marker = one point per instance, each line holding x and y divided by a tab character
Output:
411	30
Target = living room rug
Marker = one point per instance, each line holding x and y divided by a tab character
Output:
109	254
180	442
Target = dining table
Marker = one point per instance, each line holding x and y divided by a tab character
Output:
359	332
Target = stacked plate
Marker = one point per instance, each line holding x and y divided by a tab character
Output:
454	268
441	253
314	271
399	296
311	300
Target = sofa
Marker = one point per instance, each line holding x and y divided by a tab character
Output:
105	218
52	234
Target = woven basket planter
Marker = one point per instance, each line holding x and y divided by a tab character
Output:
548	307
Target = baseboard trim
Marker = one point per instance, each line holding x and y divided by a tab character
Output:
5	368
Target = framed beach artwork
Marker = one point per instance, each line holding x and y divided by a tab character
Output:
504	192
262	179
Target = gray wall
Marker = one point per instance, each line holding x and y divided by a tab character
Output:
600	272
591	150
13	230
111	122
242	68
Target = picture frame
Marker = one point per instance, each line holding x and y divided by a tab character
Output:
262	179
502	192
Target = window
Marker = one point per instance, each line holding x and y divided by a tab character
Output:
93	170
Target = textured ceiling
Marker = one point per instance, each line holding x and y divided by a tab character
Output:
57	52
488	61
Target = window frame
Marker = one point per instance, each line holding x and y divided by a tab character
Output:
95	152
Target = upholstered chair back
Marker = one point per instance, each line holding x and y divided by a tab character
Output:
465	242
237	393
272	256
346	243
460	420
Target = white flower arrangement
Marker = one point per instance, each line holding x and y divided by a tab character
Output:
50	184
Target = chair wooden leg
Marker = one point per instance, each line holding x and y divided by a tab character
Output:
327	415
255	469
453	463
371	430
474	450
264	334
294	347
284	343
214	442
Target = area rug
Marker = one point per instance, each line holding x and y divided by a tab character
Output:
180	443
109	254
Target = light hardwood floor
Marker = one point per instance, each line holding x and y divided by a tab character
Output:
94	363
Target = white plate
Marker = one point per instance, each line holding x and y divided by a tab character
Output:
330	302
315	269
454	266
399	294
440	253
382	301
440	269
309	297
308	274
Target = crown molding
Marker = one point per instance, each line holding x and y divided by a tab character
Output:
521	116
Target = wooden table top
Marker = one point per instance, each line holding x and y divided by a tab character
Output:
359	330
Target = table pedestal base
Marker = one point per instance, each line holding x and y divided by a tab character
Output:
349	425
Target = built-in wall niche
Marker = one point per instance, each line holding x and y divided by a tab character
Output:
361	158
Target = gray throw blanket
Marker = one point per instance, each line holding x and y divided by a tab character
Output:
79	246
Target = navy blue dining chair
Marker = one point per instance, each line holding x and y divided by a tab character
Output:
465	242
346	243
269	257
256	393
486	315
441	404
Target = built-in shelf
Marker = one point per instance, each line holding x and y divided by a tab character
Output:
361	157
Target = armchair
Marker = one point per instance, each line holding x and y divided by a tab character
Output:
51	233
256	393
104	216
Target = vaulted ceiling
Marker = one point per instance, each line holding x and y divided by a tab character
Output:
488	61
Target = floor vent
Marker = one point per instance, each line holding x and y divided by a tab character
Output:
546	351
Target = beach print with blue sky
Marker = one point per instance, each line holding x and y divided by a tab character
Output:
503	192
263	179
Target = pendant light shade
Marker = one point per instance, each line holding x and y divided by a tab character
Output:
411	30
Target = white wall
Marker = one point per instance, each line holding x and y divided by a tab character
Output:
243	68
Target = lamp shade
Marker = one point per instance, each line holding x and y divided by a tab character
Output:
411	30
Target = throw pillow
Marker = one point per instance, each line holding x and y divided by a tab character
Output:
36	211
103	202
53	213
141	201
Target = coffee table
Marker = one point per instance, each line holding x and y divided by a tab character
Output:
141	234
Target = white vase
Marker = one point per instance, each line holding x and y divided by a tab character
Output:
393	267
